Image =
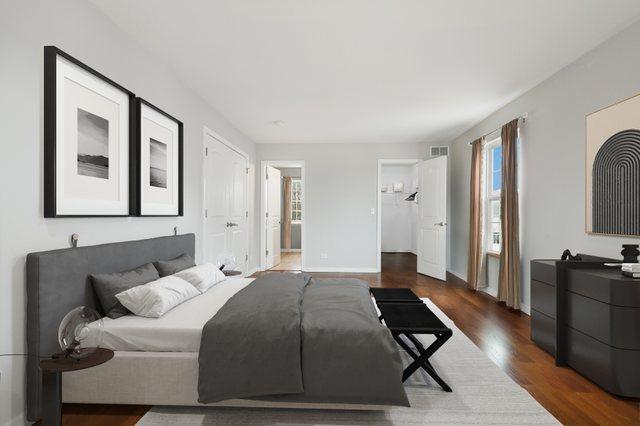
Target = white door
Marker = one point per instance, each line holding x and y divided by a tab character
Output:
432	218
225	187
274	205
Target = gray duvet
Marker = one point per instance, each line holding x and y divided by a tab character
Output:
294	338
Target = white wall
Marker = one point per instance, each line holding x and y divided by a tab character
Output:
341	190
78	28
553	152
399	217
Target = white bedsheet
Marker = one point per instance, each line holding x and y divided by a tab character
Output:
179	330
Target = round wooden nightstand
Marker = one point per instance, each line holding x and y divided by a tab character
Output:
52	369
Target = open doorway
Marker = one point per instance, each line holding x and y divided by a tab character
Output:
283	206
398	218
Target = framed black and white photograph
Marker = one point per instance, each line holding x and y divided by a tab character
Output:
159	170
88	133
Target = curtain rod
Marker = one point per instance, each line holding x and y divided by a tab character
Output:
522	117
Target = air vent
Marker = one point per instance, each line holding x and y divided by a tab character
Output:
437	151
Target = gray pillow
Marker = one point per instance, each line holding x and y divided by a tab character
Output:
170	267
107	286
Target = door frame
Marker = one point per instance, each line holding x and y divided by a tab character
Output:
386	162
206	131
263	207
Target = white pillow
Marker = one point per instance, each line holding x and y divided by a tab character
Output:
202	277
158	297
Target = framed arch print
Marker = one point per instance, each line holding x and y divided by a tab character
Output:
612	189
159	149
89	127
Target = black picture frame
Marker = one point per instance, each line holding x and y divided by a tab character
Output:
51	53
138	155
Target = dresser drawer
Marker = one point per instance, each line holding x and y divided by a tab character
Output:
543	331
543	298
544	271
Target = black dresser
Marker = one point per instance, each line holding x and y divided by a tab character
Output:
588	317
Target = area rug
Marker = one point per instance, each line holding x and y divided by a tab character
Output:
482	394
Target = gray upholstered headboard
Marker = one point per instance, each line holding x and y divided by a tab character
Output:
58	281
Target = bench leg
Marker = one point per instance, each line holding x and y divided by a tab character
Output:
422	360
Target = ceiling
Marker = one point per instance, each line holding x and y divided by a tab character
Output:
365	70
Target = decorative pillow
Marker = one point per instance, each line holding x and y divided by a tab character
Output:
158	297
202	277
107	286
170	267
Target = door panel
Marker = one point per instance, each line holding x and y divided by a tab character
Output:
225	203
432	218
274	204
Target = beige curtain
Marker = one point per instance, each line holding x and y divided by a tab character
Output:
509	284
287	212
475	215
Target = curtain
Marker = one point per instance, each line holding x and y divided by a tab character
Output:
509	283
286	212
476	254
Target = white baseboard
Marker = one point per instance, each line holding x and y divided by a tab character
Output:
399	251
490	291
339	269
251	271
463	277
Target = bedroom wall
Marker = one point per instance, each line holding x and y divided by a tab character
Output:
341	191
78	28
553	152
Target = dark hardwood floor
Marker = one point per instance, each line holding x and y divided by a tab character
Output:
501	333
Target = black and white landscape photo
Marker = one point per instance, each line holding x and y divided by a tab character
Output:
157	163
93	145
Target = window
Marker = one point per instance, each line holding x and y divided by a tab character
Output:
493	165
296	200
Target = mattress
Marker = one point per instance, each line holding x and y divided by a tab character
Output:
179	330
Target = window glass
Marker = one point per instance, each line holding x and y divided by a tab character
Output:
493	173
296	200
496	172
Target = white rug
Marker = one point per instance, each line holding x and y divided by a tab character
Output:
482	394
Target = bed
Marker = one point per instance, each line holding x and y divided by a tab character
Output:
156	360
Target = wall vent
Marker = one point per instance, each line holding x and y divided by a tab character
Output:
437	151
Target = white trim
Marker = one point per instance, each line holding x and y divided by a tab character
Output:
385	161
263	207
398	251
490	291
248	197
339	269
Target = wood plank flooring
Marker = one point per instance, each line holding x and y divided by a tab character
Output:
289	261
501	333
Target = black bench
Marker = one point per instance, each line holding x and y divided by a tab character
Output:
408	319
399	295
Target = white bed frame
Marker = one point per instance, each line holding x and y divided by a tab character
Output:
160	378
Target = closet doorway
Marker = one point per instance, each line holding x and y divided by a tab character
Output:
398	212
282	227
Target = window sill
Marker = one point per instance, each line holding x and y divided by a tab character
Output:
493	254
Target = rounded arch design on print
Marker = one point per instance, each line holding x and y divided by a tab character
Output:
616	185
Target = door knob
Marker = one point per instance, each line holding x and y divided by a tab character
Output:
441	224
230	224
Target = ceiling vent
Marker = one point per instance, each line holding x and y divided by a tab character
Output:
437	151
